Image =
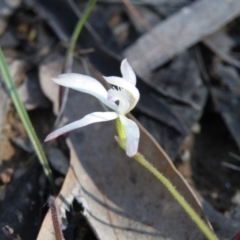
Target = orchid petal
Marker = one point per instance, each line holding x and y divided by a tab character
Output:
122	96
119	82
88	119
85	84
128	73
132	135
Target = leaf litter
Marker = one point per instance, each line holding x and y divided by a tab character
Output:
121	205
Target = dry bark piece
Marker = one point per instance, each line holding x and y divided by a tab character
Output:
179	32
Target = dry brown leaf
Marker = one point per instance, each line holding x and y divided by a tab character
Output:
179	32
49	69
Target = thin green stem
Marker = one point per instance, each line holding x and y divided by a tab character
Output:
189	210
120	129
75	35
24	118
201	224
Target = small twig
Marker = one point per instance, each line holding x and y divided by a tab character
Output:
55	218
231	166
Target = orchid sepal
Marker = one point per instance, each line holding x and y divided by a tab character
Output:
86	120
127	72
85	84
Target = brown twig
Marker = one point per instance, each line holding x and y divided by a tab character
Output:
55	218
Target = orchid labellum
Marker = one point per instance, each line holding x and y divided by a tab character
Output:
121	98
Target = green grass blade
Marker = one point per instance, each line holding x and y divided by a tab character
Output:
24	117
77	30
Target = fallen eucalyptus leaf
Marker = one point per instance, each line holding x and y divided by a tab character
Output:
199	20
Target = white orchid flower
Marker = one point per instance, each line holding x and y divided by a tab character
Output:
122	99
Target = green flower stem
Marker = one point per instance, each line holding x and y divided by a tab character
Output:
200	223
189	210
24	118
120	129
76	33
